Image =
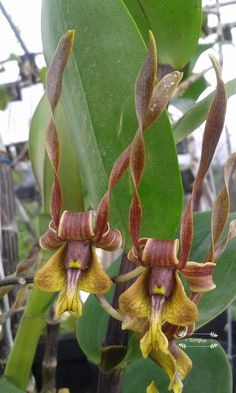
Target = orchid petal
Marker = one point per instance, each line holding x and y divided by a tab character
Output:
184	363
220	210
49	240
152	388
145	82
51	276
212	132
161	95
111	240
137	325
199	276
230	235
137	160
94	280
53	89
68	301
178	308
176	368
154	339
135	301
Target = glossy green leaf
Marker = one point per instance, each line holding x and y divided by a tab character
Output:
175	25
192	119
7	387
98	103
188	69
214	302
93	323
69	167
195	89
204	377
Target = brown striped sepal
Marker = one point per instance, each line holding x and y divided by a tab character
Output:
79	226
76	226
156	253
199	276
111	240
49	240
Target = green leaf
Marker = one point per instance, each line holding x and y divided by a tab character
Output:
93	323
7	387
98	102
175	25
19	363
188	69
204	377
69	168
197	114
214	302
195	89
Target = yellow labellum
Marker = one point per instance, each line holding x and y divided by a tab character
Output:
154	339
68	301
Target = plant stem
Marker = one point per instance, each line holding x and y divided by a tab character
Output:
50	356
20	360
110	382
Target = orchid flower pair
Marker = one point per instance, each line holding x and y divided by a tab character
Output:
74	235
155	306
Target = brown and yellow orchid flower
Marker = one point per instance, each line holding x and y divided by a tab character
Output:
73	236
158	293
173	310
157	298
75	266
176	366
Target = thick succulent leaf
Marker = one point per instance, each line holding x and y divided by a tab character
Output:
193	118
98	101
69	168
7	387
204	377
214	302
176	27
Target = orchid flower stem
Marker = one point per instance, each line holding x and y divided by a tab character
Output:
128	276
33	321
108	308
